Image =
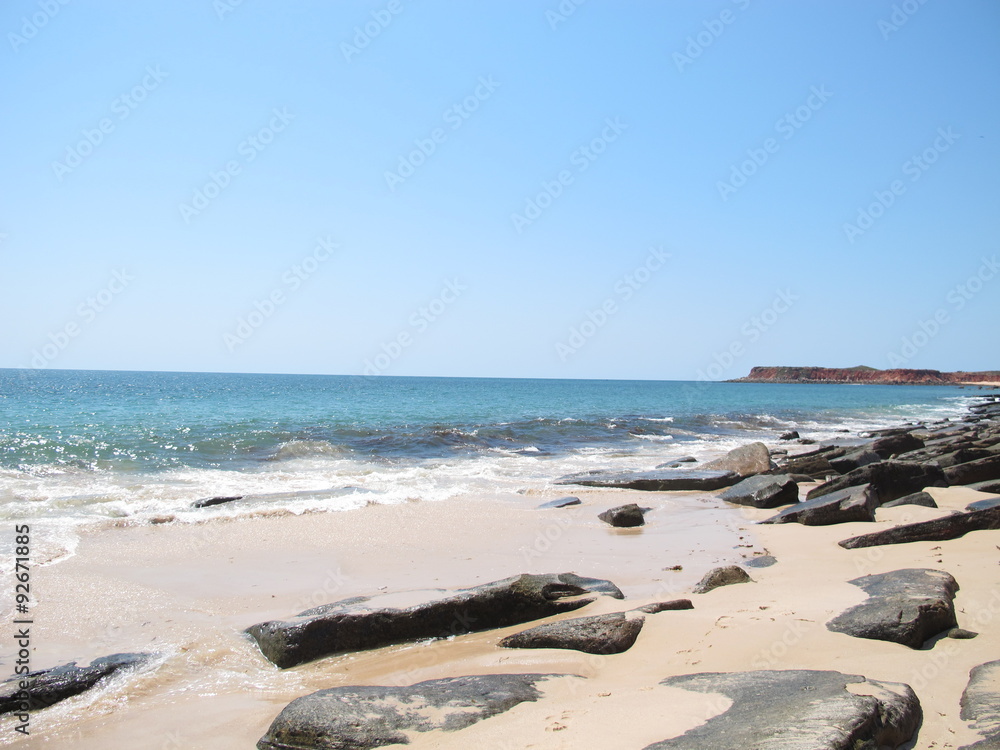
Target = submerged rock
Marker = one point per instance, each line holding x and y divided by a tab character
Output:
763	491
625	516
798	710
844	506
724	576
598	634
938	530
660	480
904	606
364	622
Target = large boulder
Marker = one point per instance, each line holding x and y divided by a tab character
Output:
844	506
359	718
981	705
659	480
364	622
37	690
746	460
981	470
903	606
892	445
798	710
763	491
889	479
625	516
938	530
727	575
599	634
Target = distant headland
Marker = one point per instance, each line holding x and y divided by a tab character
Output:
864	374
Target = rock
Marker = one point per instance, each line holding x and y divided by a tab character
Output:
798	710
746	460
904	606
961	634
657	607
801	478
724	576
625	516
761	561
990	485
938	530
961	456
364	622
974	471
792	435
889	479
763	491
673	463
359	718
562	502
210	501
659	480
981	705
598	634
806	441
990	502
818	467
37	690
844	506
891	445
855	460
917	498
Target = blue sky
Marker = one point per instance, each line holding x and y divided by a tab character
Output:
656	190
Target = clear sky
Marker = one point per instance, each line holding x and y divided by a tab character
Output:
596	189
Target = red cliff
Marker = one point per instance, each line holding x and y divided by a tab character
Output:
865	375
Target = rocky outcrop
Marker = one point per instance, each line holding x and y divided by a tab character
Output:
659	480
798	710
815	466
724	576
981	705
37	690
904	606
745	461
364	622
889	479
893	445
843	506
359	718
938	530
855	460
598	634
763	491
917	498
864	375
625	516
982	470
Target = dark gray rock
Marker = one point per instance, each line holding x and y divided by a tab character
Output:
763	491
961	456
657	607
990	502
981	470
724	576
562	502
208	502
961	634
37	690
659	480
806	441
917	498
895	444
938	530
904	606
359	718
746	460
889	479
761	561
798	710
598	634
855	460
815	467
981	705
364	622
990	485
673	463
625	516
791	435
844	506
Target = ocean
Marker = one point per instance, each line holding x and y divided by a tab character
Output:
79	447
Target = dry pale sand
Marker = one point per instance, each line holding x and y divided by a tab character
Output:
188	590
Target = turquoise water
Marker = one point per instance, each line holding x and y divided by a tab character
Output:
79	444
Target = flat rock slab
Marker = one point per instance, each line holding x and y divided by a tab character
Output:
990	485
891	480
673	463
660	480
37	690
982	470
599	634
763	491
990	502
895	444
625	516
746	460
798	710
561	502
904	606
854	460
938	530
844	506
727	575
657	607
365	622
358	718
981	705
917	498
